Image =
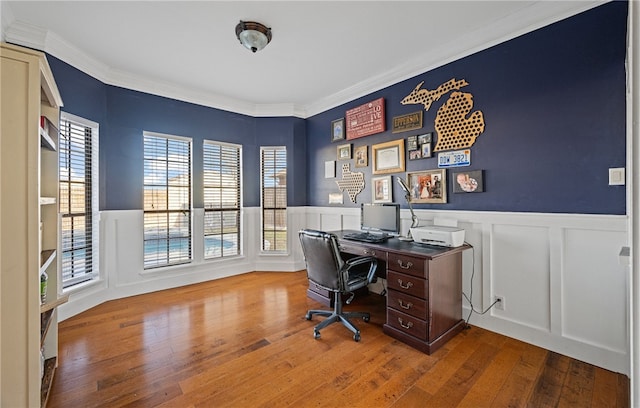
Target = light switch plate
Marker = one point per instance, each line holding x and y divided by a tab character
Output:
616	176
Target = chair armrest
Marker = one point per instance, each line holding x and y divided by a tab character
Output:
371	275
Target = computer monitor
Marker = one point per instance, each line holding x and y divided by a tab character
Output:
383	218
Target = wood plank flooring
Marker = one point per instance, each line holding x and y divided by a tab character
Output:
244	342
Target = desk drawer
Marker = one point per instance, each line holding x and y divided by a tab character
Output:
407	304
408	264
411	285
361	250
407	324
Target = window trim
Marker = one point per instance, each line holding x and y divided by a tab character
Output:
262	207
240	208
96	273
190	260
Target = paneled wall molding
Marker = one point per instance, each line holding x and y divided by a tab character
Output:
121	268
559	274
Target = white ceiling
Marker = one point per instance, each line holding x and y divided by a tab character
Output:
323	53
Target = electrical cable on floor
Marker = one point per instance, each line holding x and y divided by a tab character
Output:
473	271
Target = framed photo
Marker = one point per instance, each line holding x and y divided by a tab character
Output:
429	186
426	138
425	149
468	181
344	152
412	143
362	156
388	157
415	154
382	190
336	198
337	130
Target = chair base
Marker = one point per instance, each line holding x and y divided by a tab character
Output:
337	315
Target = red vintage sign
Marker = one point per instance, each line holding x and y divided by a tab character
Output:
366	119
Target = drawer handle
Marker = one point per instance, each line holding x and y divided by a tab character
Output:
403	286
372	253
407	266
406	306
406	326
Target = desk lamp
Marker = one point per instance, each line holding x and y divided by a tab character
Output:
407	196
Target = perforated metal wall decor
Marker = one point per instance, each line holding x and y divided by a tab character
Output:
352	182
455	127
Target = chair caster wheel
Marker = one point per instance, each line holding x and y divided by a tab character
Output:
356	337
366	319
307	316
316	334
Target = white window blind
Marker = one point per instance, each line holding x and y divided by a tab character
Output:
167	200
222	187
273	164
78	182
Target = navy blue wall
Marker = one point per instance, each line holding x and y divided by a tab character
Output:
553	102
87	98
124	114
554	106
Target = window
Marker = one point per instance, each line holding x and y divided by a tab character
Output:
78	184
221	164
167	200
273	161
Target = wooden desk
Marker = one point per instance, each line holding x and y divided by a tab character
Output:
424	289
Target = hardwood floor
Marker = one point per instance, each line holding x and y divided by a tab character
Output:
244	342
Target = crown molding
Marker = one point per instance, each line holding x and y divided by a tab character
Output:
31	36
510	27
536	16
276	109
6	18
169	90
27	35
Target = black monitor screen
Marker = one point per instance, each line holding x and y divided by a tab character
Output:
381	218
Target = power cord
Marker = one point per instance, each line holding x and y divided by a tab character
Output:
472	309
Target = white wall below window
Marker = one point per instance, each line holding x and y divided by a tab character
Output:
121	268
559	274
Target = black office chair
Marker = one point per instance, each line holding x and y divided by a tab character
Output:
327	269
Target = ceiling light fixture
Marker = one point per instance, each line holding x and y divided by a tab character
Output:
254	36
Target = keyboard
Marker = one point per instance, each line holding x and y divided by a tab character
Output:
366	237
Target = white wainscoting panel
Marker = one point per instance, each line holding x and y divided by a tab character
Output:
519	272
563	285
559	274
121	261
593	289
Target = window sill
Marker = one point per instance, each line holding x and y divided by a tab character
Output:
165	269
223	259
82	286
274	253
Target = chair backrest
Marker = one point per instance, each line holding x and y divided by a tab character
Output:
322	256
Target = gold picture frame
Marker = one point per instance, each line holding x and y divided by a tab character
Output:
361	153
428	186
388	157
344	152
